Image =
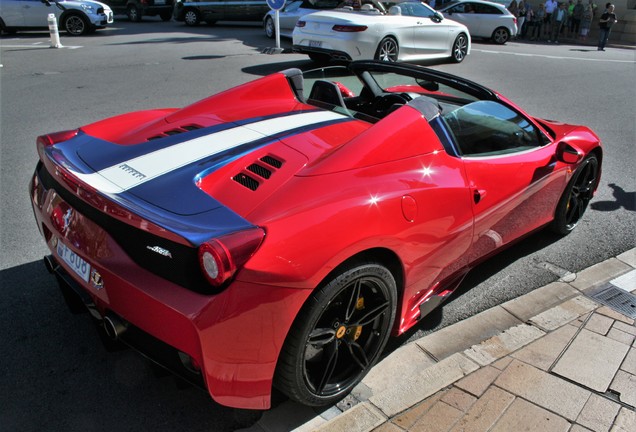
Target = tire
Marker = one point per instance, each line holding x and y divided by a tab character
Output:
75	24
338	335
165	16
576	197
388	50
270	28
460	48
500	36
134	14
191	17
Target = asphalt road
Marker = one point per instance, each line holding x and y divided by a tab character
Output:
54	373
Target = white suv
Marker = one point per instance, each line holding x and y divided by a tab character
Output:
77	17
484	19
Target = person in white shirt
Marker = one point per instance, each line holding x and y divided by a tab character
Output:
550	7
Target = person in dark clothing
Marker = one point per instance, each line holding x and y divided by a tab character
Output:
608	19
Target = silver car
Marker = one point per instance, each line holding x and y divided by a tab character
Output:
290	14
77	17
484	19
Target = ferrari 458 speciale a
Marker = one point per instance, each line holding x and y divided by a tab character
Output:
278	233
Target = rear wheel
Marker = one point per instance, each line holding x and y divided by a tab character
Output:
576	197
460	48
338	335
500	35
388	50
191	17
134	14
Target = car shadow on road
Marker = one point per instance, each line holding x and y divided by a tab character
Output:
56	375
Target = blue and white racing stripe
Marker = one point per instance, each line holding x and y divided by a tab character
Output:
126	174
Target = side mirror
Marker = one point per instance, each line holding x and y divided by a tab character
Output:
568	154
438	17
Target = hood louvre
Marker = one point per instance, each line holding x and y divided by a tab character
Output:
176	131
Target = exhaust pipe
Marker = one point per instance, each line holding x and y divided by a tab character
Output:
114	326
50	263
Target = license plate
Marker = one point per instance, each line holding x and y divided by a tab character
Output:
77	264
316	44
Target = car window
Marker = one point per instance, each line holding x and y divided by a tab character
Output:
487	9
416	9
487	128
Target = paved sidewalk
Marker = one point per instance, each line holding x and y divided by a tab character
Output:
555	359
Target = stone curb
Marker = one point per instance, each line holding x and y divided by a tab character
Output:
423	367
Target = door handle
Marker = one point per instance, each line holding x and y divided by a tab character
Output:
478	195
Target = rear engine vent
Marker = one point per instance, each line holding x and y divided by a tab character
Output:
260	171
176	131
246	181
272	161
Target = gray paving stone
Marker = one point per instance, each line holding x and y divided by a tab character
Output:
543	389
477	382
398	368
579	428
599	324
625	384
625	421
591	360
503	363
395	399
598	414
485	412
599	274
626	282
609	312
563	313
628	257
466	333
620	336
503	344
524	416
440	418
539	300
287	416
631	329
629	364
410	416
363	417
543	352
458	399
387	427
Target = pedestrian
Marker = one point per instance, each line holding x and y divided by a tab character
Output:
521	19
559	19
550	7
607	20
537	20
513	8
586	21
577	15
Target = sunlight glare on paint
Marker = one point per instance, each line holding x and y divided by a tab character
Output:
373	200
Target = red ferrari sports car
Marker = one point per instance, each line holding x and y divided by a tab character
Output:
277	233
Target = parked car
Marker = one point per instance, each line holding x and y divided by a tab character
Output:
135	9
192	12
76	17
279	232
395	30
289	15
484	19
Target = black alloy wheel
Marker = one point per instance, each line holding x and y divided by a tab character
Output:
500	36
338	336
576	196
75	24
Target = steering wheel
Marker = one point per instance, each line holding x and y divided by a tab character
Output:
383	103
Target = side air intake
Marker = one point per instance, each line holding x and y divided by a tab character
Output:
175	131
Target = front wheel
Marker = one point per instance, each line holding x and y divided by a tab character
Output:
270	28
500	36
338	335
75	25
576	196
191	17
388	50
460	48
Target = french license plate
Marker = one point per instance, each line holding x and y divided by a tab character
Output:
315	44
77	264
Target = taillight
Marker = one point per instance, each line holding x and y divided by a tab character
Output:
222	257
515	20
44	141
349	28
301	23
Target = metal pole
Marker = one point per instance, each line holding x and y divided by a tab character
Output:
277	29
